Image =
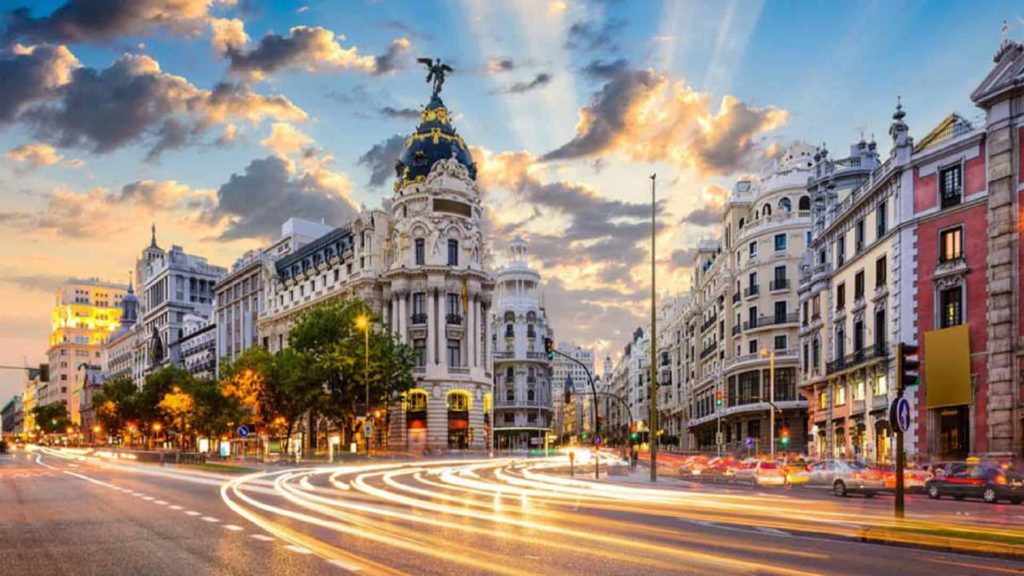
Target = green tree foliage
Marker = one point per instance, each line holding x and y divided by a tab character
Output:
52	418
329	335
116	404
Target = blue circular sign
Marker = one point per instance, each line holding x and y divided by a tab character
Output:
243	431
901	413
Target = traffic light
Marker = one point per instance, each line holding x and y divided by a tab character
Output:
909	365
549	347
600	423
568	394
633	436
718	397
584	436
784	437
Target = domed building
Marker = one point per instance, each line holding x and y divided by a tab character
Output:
421	262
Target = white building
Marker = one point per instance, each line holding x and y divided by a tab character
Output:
522	382
197	348
571	420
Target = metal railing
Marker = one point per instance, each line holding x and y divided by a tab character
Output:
752	290
419	318
709	323
762	321
453	319
872	352
779	284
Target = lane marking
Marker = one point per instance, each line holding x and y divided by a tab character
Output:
261	537
233	528
160	502
345	565
983	567
192	513
150	498
209	519
298	549
175	507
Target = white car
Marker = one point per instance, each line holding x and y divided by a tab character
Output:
761	473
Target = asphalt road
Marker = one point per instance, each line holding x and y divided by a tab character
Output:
68	516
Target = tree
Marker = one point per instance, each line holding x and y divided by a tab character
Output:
328	334
116	403
178	409
52	418
213	411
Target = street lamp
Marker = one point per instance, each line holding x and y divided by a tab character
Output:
654	338
363	323
770	354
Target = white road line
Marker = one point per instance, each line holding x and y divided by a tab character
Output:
298	549
345	565
175	507
774	531
150	498
261	537
233	528
160	502
209	519
192	513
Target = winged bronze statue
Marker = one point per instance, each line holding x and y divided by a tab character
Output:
435	72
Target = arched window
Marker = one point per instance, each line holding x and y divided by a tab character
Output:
510	395
531	395
417	401
458	401
766	211
804	203
531	316
741	223
510	316
509	374
786	205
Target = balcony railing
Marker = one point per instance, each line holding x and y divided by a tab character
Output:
762	321
752	290
861	356
952	198
708	323
419	318
504	354
736	329
707	351
453	319
779	284
735	297
536	355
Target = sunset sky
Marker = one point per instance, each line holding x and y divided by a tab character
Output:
218	119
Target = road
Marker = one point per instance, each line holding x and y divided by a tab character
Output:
61	515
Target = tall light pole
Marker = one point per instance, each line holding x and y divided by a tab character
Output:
771	398
654	341
363	323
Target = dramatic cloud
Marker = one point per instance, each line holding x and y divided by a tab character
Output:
312	49
606	70
32	74
649	118
381	159
227	35
285	139
28	157
133	100
400	113
33	282
163	195
499	65
538	81
255	204
703	217
590	36
598	231
682	257
107	20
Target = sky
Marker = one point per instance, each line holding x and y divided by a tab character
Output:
218	119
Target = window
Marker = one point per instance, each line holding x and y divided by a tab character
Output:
881	385
421	251
840	251
452	304
779	283
752	249
880	272
752	281
453	252
951	307
454	353
419	348
823	401
951	186
781	311
858	389
804	204
880	329
841	296
839	394
786	205
881	219
780	242
807	359
510	418
858	286
419	309
951	244
816	353
780	342
859	235
752	346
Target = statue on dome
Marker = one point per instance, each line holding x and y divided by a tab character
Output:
435	72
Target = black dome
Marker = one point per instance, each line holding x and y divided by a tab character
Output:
434	139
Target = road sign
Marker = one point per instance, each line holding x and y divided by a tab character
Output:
597	439
750	442
243	431
899	413
368	428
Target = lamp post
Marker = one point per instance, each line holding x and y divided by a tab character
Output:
771	397
363	323
654	341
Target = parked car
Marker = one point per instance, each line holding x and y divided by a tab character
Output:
937	469
984	480
761	473
853	477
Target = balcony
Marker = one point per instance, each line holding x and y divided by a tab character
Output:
951	198
453	319
504	355
736	329
709	350
419	318
536	356
777	319
752	291
708	323
510	334
779	284
532	334
866	354
735	297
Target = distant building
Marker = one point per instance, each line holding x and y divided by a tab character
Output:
86	313
571	420
522	372
197	348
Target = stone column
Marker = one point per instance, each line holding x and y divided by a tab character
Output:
487	338
403	318
432	333
471	333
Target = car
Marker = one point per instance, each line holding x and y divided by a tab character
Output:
845	478
796	471
985	480
913	478
761	473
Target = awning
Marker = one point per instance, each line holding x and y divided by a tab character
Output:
947	367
